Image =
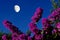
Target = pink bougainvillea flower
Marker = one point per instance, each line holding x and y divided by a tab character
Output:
45	23
22	37
39	10
37	15
55	15
54	31
4	37
35	18
44	20
6	23
11	27
38	36
51	18
29	38
33	28
58	26
14	36
56	12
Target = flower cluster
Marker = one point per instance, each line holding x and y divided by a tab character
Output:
37	15
55	15
50	31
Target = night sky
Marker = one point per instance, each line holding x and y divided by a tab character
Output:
22	18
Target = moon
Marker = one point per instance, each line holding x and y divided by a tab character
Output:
17	8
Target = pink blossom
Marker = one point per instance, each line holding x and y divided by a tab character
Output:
6	23
39	11
51	18
4	37
35	18
54	31
55	15
58	25
33	28
45	23
38	36
29	38
14	36
37	15
9	25
22	37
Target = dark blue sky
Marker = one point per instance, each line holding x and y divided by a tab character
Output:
22	19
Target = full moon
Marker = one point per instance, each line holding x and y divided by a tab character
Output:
17	8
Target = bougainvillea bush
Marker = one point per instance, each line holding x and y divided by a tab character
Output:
50	29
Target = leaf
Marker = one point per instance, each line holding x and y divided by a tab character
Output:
1	33
54	4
